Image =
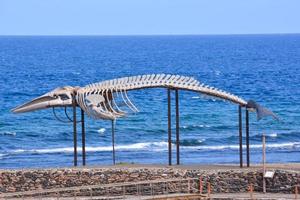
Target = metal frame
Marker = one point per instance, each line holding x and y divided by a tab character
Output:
113	141
177	128
247	138
74	131
240	137
177	116
83	138
169	127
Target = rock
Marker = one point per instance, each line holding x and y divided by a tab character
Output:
221	180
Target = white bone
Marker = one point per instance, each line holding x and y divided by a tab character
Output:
120	86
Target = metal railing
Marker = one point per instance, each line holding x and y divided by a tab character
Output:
127	189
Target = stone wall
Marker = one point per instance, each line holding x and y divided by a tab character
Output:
220	180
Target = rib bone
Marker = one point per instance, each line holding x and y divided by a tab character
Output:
108	108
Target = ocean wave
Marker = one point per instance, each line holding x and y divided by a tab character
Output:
206	97
280	137
195	126
135	146
154	146
290	136
101	130
288	145
191	142
217	72
9	133
259	136
273	135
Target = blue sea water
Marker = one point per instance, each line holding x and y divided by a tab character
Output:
260	67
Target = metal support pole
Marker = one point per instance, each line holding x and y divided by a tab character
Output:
74	131
247	138
83	137
113	140
264	161
177	128
169	127
240	136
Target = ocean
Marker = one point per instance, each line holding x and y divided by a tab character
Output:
265	68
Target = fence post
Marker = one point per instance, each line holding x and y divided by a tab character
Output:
208	189
137	189
91	193
167	187
296	191
75	195
251	191
200	185
124	191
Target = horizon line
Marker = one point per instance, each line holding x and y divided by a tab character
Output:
106	35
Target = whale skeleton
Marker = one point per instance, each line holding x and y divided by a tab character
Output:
99	100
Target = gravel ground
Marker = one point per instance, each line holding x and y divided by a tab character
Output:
286	166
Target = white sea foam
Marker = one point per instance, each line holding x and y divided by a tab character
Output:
153	146
273	135
206	97
217	72
101	130
135	146
287	145
10	133
201	126
196	126
201	140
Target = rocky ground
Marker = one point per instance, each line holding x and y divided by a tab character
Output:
222	178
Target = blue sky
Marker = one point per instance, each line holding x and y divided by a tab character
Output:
147	17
